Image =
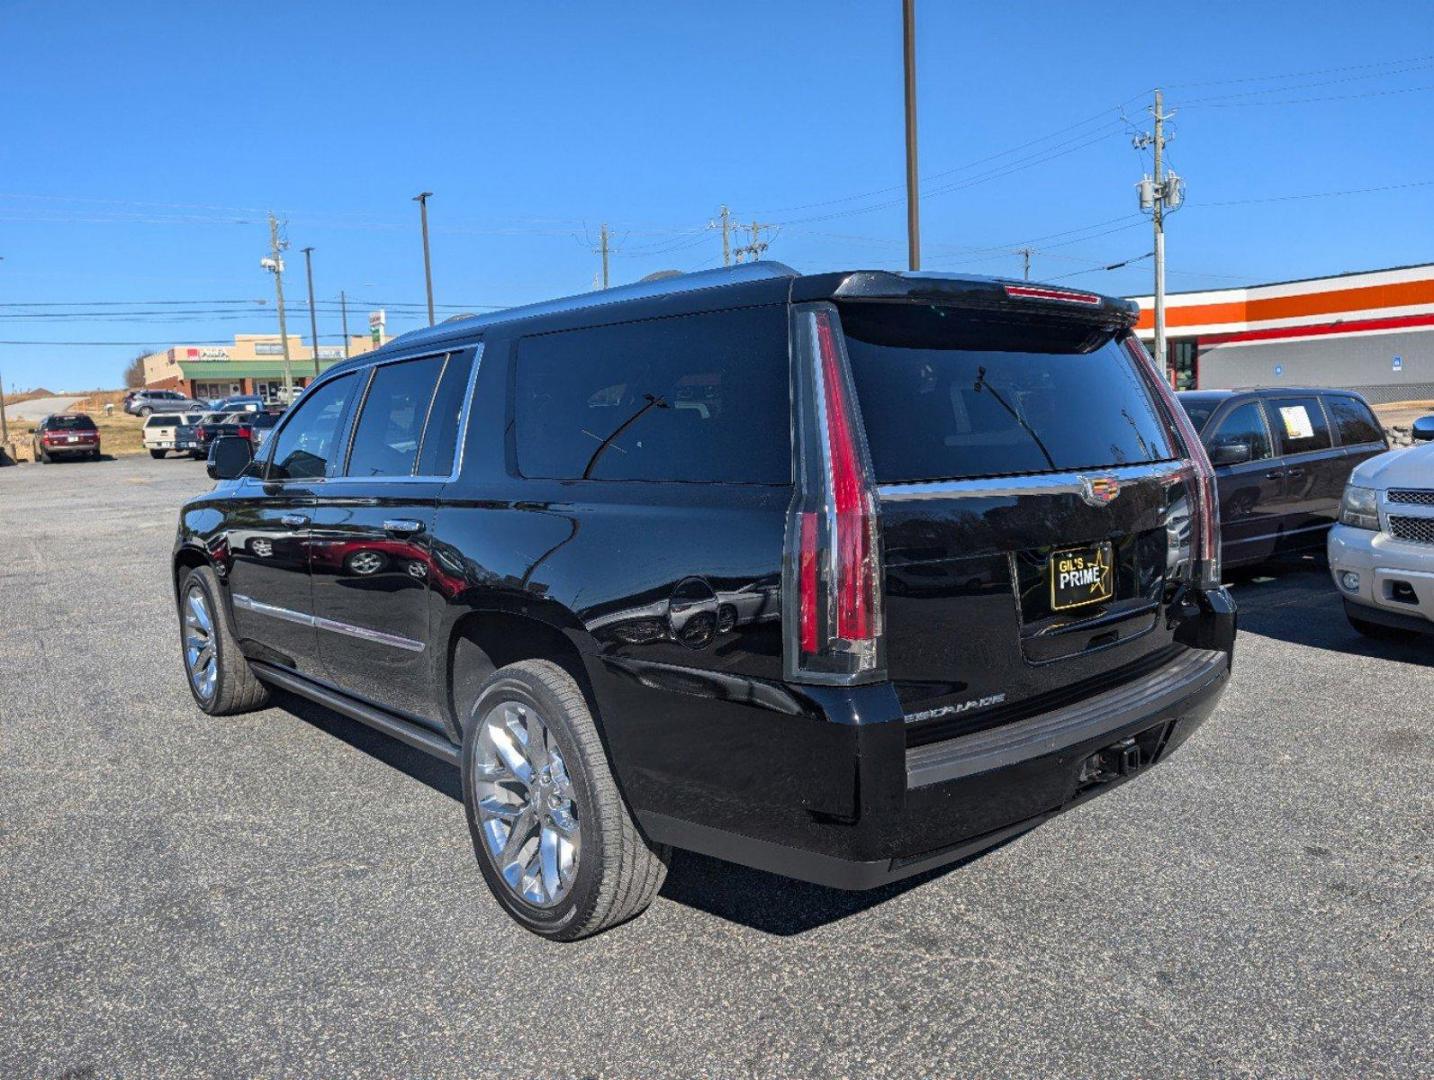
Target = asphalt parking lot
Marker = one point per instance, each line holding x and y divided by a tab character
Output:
289	894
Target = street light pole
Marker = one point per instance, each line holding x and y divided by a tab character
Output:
913	211
344	307
313	316
422	200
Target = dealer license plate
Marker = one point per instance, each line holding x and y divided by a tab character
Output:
1082	575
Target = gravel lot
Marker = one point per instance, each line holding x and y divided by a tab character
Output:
289	894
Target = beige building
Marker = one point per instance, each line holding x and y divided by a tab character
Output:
254	364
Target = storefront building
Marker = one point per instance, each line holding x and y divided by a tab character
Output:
1371	331
254	364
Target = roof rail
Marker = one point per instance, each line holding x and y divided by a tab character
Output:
641	290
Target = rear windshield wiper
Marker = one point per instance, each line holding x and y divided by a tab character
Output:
982	383
653	401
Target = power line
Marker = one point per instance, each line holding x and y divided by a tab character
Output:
1318	194
1417	60
1218	104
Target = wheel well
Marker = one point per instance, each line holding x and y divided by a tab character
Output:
485	641
187	559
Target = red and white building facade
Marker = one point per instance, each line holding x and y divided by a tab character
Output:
1371	331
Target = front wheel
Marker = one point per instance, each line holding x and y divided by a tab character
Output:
219	676
555	841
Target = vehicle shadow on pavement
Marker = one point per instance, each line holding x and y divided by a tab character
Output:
426	769
1293	599
769	902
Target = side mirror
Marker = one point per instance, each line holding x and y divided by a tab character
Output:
1231	453
229	456
30	432
1423	429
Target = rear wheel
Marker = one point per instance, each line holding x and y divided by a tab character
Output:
145	410
43	456
552	834
219	676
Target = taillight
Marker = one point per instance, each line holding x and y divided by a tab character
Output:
1205	503
832	573
244	432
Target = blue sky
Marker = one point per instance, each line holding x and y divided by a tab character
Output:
142	145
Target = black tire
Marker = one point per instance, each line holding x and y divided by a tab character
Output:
43	457
1378	631
236	689
156	454
144	410
618	871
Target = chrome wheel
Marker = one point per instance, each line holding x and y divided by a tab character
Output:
524	799
199	655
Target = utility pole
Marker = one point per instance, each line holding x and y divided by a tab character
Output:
604	248
313	316
913	210
1026	254
1158	214
1159	196
344	307
275	265
755	246
724	222
4	429
422	200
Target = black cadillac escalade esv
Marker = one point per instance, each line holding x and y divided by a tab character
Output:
845	576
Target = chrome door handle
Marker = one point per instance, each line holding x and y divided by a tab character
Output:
294	521
1294	472
402	526
1274	474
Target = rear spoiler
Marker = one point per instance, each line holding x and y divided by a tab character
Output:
985	293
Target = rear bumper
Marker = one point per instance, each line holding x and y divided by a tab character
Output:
834	795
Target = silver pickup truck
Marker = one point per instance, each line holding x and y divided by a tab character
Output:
164	432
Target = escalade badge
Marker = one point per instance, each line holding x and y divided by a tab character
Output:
1099	490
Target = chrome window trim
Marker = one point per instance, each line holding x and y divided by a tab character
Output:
248	603
367	374
1058	483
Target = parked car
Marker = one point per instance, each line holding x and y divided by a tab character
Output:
164	432
260	426
214	424
1381	554
145	402
65	435
1282	457
885	569
239	403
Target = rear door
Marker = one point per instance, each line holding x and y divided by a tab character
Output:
371	552
1357	430
1032	506
1314	477
1252	491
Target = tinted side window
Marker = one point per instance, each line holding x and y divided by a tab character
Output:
386	438
440	437
1244	427
1300	423
1353	420
695	398
303	448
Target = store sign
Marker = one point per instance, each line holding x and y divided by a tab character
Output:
1399	363
377	320
331	352
268	348
214	354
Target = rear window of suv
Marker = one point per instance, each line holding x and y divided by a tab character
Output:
70	423
691	398
957	394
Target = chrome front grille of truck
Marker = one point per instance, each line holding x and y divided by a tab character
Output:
1418	529
1412	496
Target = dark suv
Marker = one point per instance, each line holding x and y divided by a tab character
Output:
843	576
1282	457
